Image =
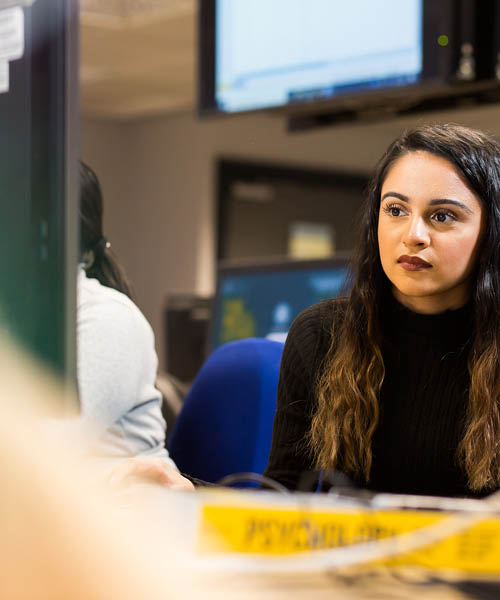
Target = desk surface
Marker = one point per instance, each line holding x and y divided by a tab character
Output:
380	584
240	576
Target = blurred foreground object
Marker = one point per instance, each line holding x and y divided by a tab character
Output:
62	537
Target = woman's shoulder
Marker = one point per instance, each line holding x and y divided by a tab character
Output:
319	317
91	292
309	337
99	303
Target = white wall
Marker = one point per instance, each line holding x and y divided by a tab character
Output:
159	185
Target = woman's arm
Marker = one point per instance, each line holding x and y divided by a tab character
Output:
302	355
116	362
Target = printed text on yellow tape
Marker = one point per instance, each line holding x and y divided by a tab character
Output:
277	531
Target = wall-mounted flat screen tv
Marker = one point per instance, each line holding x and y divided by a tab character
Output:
268	54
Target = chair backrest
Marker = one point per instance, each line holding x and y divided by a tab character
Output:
225	425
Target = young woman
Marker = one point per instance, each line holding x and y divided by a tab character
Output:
398	385
116	359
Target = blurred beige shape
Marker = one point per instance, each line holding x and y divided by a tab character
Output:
62	538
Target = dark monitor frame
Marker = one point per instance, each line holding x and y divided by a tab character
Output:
439	64
229	170
40	149
267	266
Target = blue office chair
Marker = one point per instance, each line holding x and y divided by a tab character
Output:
225	424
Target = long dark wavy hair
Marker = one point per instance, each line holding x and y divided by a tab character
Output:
102	264
349	385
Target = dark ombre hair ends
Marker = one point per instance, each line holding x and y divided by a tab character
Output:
104	266
353	372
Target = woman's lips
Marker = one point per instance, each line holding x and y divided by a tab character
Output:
413	263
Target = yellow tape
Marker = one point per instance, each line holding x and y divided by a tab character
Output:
277	531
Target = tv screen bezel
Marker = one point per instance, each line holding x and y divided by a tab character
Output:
438	67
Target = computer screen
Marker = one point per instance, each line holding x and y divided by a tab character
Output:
263	300
276	53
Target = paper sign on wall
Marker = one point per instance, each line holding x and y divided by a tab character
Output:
11	34
4	77
9	3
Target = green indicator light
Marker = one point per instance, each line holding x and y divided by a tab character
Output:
443	40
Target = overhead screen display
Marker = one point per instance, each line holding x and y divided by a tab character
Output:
275	52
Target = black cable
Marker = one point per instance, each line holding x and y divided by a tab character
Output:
267	482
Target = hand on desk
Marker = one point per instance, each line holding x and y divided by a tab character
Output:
153	470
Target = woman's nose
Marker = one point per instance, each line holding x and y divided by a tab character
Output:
416	233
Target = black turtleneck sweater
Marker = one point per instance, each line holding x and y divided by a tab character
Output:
422	402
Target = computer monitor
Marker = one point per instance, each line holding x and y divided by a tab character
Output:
262	300
39	150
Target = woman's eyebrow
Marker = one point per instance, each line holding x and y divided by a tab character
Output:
435	202
396	195
450	201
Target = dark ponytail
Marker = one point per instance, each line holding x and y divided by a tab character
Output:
94	247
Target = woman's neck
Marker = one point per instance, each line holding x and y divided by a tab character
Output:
435	304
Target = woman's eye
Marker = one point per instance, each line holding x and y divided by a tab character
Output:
444	217
393	210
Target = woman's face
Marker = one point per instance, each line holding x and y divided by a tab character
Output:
429	232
